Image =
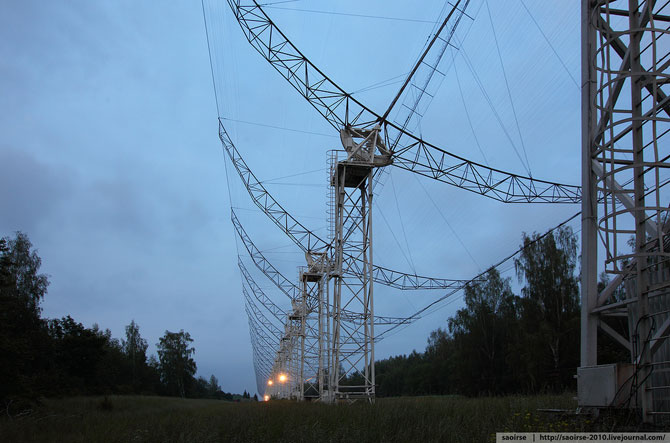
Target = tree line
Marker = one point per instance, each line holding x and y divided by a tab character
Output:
498	343
55	357
501	342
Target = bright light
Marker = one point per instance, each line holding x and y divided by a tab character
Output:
269	382
266	398
282	378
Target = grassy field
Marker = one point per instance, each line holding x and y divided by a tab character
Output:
424	419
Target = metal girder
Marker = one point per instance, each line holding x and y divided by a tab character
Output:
296	231
262	366
260	370
499	185
289	289
414	95
659	336
625	162
623	341
263	350
412	153
620	194
266	338
623	51
352	343
306	239
272	307
258	314
261	345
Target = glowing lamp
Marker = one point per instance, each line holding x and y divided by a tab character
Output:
282	378
269	382
266	398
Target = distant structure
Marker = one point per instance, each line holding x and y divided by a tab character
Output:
331	328
625	118
325	349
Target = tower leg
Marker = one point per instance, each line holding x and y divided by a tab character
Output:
352	353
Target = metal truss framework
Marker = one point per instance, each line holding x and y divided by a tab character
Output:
284	285
294	346
354	328
268	304
353	373
351	268
317	335
625	112
307	240
421	84
409	152
263	350
304	348
354	273
268	325
289	289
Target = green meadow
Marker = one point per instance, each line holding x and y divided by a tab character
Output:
421	419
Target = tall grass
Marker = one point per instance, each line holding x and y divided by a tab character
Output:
160	419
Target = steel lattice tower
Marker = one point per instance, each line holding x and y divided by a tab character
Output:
624	172
314	341
352	356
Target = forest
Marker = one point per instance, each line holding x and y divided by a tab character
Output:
498	343
44	357
503	343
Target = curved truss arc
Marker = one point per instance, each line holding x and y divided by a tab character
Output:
306	239
291	290
262	334
261	354
263	299
269	326
414	154
288	288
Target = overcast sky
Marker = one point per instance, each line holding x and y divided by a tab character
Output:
112	165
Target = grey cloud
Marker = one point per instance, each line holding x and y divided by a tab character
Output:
30	190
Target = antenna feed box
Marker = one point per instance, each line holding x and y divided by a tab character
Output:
604	385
